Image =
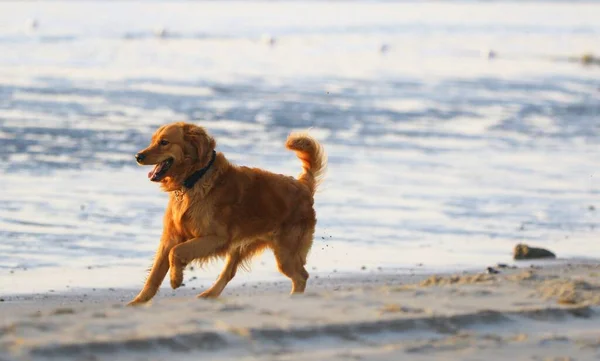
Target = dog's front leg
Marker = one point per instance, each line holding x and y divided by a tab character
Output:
195	248
157	273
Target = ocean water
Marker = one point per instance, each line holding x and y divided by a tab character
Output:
454	129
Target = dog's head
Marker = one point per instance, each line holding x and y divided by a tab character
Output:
175	150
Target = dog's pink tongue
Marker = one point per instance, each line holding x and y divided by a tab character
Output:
154	170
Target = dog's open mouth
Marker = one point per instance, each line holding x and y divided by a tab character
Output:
160	170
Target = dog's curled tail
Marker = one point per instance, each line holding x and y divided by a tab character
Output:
313	157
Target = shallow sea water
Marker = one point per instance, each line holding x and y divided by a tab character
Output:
440	155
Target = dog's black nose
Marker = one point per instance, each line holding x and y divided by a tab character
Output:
140	157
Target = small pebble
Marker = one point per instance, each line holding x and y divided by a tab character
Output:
492	271
488	53
160	32
504	265
33	24
268	39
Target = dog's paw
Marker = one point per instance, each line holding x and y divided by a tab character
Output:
176	277
136	302
208	294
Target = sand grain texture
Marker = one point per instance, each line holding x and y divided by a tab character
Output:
518	314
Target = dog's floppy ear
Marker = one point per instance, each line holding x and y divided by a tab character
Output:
201	142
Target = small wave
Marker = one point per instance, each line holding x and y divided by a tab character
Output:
166	34
44	39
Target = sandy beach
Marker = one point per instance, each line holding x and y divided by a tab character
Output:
532	312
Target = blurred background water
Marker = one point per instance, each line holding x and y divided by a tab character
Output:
454	129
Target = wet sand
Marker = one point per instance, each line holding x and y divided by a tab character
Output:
528	313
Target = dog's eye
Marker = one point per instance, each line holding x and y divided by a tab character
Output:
163	142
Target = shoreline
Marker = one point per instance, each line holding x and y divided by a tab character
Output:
539	311
28	281
113	296
248	283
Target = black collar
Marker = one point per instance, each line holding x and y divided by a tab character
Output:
191	180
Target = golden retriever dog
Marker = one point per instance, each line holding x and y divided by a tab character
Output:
217	209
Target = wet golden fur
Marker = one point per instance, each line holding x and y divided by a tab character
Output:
231	212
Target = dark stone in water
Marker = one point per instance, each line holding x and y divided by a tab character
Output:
523	251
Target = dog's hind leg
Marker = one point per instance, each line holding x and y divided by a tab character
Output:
290	252
290	265
235	258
